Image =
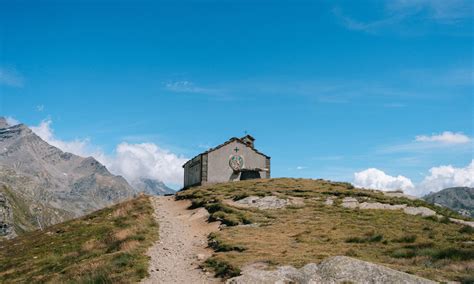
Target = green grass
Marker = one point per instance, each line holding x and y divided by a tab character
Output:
297	235
107	246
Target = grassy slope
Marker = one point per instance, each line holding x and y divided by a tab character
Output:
23	220
107	246
22	207
432	248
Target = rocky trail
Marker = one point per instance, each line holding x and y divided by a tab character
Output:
182	244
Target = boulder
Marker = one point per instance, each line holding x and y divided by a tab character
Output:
329	201
462	222
267	202
399	195
423	211
338	269
350	202
378	205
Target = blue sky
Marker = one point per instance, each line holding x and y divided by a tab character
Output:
328	88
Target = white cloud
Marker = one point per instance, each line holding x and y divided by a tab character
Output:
439	178
188	87
447	141
446	137
447	176
40	108
10	77
11	121
299	168
77	146
132	161
377	179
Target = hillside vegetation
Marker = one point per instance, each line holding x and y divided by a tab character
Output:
430	247
107	246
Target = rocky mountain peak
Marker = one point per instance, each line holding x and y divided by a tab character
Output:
64	185
8	131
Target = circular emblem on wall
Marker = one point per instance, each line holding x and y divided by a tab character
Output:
236	162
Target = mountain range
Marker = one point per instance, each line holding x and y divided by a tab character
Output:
41	185
460	199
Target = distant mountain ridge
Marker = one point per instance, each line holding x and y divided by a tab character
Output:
42	185
460	199
151	187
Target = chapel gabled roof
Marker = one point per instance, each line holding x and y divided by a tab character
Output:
233	139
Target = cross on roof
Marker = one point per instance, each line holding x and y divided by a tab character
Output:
236	149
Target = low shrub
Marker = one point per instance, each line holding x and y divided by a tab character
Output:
403	253
466	229
219	245
454	254
222	268
368	238
406	239
428	250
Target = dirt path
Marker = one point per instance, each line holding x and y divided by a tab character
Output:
182	245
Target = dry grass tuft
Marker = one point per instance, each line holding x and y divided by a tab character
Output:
129	245
123	234
91	245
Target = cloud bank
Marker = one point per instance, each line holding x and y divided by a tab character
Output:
132	161
447	176
439	178
138	160
377	179
446	137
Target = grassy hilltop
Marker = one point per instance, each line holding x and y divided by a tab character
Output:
429	247
107	246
